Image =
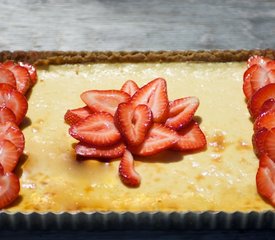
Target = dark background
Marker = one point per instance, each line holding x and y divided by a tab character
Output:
137	25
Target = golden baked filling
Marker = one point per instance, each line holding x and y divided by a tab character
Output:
220	178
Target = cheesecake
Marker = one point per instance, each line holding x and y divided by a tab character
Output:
219	178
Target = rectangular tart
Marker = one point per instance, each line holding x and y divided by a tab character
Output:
221	178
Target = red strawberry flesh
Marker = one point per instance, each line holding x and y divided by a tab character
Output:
127	172
109	152
9	188
154	95
269	143
133	122
158	139
9	155
268	105
13	100
6	76
10	131
6	115
104	100
258	140
270	66
247	88
265	120
73	116
258	99
191	138
259	79
129	87
258	60
181	112
8	64
22	78
97	129
31	70
265	178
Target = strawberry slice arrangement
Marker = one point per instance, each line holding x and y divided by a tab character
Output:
134	121
15	81
259	89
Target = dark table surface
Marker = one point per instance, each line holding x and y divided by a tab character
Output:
137	25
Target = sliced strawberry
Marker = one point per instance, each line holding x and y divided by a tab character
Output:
260	97
130	87
181	112
269	143
158	139
247	88
8	64
154	95
32	72
14	100
75	115
6	87
271	76
104	100
6	76
265	120
127	172
133	122
97	129
259	79
6	115
268	106
191	138
270	66
258	140
258	60
9	155
10	131
9	188
22	77
265	179
109	152
249	71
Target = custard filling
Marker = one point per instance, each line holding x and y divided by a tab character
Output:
221	178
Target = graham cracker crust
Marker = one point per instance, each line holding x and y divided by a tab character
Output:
42	58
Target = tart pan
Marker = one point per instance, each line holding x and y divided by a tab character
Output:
138	221
135	220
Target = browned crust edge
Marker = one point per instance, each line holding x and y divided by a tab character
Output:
71	57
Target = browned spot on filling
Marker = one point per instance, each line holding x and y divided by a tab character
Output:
137	163
217	141
243	145
37	208
157	179
243	160
200	177
39	121
165	193
52	194
191	188
216	157
159	169
88	189
44	182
